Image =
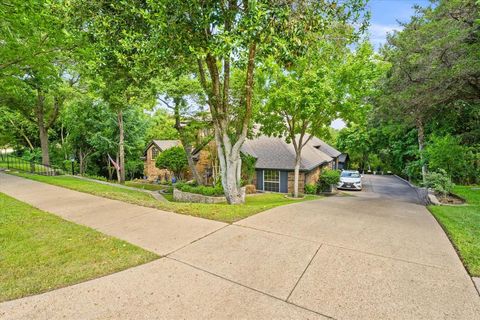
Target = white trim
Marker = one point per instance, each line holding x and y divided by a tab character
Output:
279	180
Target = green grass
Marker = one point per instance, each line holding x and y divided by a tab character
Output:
219	212
41	252
462	224
145	186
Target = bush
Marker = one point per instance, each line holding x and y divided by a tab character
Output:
311	188
173	159
327	179
440	182
448	154
203	190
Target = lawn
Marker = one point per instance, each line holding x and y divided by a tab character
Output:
41	252
462	224
219	212
145	186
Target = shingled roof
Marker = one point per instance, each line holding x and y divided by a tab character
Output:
275	153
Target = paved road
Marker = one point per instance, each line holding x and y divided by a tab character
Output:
376	255
387	187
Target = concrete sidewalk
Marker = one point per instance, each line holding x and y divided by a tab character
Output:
373	257
155	230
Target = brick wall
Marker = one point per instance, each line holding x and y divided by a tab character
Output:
301	182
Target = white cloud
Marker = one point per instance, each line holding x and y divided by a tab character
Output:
378	33
338	124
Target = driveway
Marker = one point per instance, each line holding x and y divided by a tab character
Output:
376	254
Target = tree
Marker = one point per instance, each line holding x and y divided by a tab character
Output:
434	64
115	58
161	126
182	94
33	56
233	36
173	159
324	83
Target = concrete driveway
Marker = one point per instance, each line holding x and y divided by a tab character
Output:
374	255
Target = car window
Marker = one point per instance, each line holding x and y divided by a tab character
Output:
350	175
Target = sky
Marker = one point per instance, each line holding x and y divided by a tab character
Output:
384	17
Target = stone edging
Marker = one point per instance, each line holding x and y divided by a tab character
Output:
183	196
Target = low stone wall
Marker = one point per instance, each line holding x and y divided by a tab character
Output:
197	198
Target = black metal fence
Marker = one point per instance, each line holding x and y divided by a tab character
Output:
14	163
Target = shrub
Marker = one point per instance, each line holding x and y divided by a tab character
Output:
311	188
327	179
173	159
211	191
440	182
448	154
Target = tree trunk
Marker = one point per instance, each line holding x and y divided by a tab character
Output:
109	169
117	169
44	142
296	174
421	146
42	128
186	144
121	149
82	158
230	169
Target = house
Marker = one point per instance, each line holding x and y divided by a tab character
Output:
202	158
274	167
343	160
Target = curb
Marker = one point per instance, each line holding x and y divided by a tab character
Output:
422	193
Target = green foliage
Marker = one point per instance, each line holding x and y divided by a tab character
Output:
211	191
173	159
161	126
311	188
440	182
448	154
248	168
328	178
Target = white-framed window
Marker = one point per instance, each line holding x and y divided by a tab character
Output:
271	180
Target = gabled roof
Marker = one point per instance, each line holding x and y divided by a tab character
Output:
166	144
325	147
162	145
343	157
275	153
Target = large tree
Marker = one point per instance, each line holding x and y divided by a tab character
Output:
434	65
116	34
227	36
34	58
326	82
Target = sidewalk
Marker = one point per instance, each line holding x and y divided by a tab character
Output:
152	229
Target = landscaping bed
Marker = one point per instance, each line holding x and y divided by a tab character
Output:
40	251
462	225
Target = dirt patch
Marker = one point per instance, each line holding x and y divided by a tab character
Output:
451	199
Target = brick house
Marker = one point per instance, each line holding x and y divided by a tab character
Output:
276	162
274	167
203	159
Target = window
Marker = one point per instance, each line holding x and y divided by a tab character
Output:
271	180
155	152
